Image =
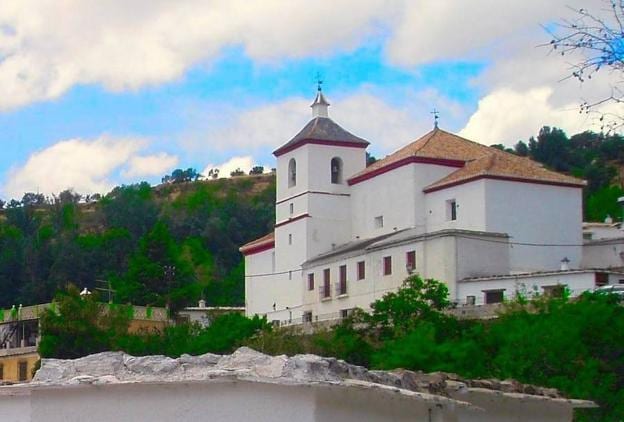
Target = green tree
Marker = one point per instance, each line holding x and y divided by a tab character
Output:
79	325
416	300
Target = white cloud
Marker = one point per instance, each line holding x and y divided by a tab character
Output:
150	165
507	116
244	163
49	46
87	166
264	128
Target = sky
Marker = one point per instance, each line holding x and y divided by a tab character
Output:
94	94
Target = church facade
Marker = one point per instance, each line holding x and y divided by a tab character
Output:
442	206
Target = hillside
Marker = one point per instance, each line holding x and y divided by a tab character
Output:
173	243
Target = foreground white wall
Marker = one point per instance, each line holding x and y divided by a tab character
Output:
234	401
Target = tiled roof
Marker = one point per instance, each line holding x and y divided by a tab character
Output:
258	245
499	164
474	159
322	129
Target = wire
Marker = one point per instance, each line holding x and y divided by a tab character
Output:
621	242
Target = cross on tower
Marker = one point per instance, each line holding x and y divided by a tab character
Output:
319	81
436	116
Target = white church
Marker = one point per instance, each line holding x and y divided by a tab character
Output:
487	223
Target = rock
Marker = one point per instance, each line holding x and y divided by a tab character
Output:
151	365
246	363
205	359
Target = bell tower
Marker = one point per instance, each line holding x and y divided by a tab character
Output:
313	198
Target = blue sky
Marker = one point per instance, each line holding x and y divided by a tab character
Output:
176	89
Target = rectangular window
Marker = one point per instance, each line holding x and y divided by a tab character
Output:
292	208
342	286
387	265
471	300
601	279
23	371
290	239
410	261
556	290
290	275
1	371
451	210
344	313
325	290
493	296
311	281
361	270
379	222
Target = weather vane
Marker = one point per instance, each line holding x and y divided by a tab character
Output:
319	81
436	116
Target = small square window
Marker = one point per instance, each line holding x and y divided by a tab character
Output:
471	300
361	270
387	265
379	222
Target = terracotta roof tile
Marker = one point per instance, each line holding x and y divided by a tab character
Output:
259	244
480	160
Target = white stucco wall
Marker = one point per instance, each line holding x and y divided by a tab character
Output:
396	195
470	200
533	213
218	401
240	401
603	254
442	257
529	284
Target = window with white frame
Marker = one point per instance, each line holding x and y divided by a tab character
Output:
379	222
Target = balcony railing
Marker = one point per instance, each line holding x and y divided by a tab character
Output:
341	288
324	291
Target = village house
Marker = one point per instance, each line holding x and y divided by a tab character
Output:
488	223
20	335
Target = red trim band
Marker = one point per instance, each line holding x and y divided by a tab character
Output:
291	220
260	248
403	162
348	144
504	178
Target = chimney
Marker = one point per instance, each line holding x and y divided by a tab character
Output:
202	303
565	264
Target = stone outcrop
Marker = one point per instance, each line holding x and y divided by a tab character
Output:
248	364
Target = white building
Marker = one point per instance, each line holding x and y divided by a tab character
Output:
442	206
